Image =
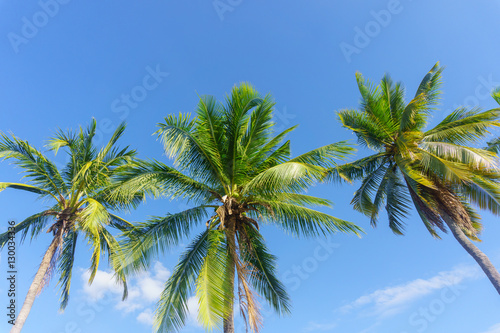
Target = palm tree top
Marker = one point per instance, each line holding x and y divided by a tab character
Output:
236	172
409	156
228	153
78	195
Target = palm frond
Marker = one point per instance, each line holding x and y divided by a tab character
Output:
448	171
303	221
241	101
362	200
41	172
94	215
426	208
171	310
179	139
398	203
367	132
263	273
358	169
429	86
149	239
463	126
474	158
288	176
326	156
157	179
407	166
375	103
483	192
32	226
26	187
213	284
65	266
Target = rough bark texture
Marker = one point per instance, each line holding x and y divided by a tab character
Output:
230	227
483	261
37	283
457	219
229	323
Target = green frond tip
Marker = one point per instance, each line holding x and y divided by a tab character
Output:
496	94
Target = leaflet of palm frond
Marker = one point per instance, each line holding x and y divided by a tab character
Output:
429	215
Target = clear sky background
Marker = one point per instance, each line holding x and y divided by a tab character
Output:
83	58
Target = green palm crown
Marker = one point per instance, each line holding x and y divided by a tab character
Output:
235	173
436	169
80	205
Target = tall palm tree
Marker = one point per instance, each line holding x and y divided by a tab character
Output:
236	174
79	205
435	169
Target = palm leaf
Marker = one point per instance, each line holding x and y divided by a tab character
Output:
299	220
66	266
155	236
213	284
171	310
263	274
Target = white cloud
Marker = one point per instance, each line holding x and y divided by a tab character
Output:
493	329
146	317
150	287
143	290
193	308
133	302
103	283
161	273
391	300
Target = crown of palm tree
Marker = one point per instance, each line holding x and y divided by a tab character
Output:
427	167
78	195
435	168
236	173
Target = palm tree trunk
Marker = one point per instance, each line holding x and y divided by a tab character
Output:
229	323
230	234
456	217
37	283
483	261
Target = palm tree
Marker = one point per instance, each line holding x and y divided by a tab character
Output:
80	205
236	174
435	169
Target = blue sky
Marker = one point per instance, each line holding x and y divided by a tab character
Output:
65	62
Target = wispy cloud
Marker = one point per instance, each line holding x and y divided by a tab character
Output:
314	327
392	300
493	329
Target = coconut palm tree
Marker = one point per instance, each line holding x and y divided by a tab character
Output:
236	174
79	205
435	169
